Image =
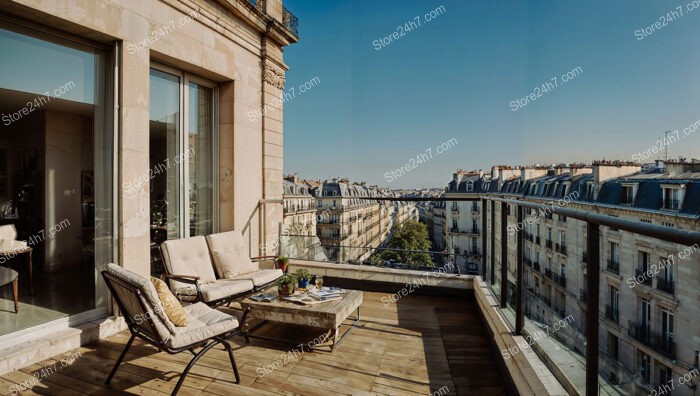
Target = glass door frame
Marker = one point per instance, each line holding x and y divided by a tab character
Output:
184	79
108	93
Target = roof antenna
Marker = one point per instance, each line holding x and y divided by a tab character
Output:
666	146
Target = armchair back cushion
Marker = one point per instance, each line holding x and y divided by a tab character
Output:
188	256
230	254
149	298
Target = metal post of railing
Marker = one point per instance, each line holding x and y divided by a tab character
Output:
504	255
493	242
592	320
483	240
519	275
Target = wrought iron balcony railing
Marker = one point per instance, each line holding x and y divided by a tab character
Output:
258	4
561	248
664	345
556	278
536	266
614	266
640	332
612	313
537	240
642	277
665	285
548	243
290	21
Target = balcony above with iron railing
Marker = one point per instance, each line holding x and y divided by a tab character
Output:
560	247
665	285
639	332
664	345
258	4
556	278
612	313
290	21
642	277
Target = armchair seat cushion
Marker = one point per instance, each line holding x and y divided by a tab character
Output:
262	277
204	323
216	290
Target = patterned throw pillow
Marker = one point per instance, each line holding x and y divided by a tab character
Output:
176	313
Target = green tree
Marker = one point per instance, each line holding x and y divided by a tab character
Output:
409	235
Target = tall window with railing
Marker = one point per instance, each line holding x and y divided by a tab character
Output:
643	267
666	330
644	366
664	281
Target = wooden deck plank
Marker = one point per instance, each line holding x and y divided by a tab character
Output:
415	346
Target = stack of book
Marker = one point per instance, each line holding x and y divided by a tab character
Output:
326	294
264	297
316	296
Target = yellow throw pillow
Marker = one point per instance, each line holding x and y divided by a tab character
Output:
173	308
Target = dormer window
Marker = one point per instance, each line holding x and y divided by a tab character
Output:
470	186
671	198
628	193
546	189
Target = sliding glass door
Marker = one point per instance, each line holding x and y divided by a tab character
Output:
182	155
200	140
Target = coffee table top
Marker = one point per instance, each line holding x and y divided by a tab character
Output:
327	314
7	276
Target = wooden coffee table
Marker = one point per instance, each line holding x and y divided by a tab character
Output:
328	315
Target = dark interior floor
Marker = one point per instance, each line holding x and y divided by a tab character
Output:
56	295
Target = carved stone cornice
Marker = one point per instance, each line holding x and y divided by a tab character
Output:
274	76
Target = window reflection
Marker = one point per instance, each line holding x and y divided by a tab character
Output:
164	147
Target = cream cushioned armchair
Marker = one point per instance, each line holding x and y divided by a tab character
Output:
232	260
191	274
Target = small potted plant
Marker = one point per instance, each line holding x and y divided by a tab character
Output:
285	285
304	277
282	263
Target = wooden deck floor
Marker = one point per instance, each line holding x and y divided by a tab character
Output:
419	345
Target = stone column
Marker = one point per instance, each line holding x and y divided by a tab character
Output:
273	185
134	204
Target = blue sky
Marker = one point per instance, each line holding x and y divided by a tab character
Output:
456	75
